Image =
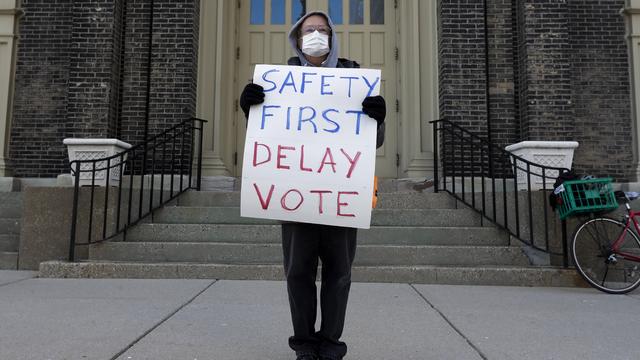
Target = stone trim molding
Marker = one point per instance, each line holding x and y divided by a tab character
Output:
10	13
631	12
15	12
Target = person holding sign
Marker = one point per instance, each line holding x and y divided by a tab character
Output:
304	243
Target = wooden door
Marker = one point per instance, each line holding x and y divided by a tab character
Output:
366	31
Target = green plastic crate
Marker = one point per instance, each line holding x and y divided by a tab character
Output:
586	196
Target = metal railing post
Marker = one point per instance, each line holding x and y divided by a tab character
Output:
565	246
93	189
153	174
435	157
200	130
74	213
192	150
106	199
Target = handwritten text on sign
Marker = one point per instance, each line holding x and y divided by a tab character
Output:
309	153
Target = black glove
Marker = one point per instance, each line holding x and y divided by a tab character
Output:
251	95
375	107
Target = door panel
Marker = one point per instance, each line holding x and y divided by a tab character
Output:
360	38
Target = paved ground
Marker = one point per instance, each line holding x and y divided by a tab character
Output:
231	320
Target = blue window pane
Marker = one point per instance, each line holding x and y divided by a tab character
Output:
257	12
298	9
377	12
277	12
335	11
356	11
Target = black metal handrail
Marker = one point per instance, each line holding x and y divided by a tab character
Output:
487	178
126	201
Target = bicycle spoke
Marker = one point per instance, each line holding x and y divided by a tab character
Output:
606	271
594	234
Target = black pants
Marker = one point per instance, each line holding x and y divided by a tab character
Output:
303	244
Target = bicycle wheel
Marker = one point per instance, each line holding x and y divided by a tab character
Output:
598	264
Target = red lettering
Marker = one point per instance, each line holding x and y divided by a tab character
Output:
255	153
302	168
328	154
282	156
265	204
283	201
340	204
353	162
320	192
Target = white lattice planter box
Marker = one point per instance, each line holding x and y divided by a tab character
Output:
546	153
91	149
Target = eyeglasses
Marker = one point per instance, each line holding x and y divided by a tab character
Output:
320	28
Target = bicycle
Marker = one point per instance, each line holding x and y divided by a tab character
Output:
606	252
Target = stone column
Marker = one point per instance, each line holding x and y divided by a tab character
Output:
9	14
632	18
419	94
217	24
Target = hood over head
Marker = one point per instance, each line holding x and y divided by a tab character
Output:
332	57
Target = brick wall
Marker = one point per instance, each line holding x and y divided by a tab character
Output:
94	68
547	110
82	72
558	70
463	67
504	117
40	100
600	89
462	63
134	71
174	66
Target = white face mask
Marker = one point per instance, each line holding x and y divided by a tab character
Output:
315	44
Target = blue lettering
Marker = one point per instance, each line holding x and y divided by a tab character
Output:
337	126
371	86
323	85
304	80
350	78
264	77
359	114
309	119
288	117
265	114
288	81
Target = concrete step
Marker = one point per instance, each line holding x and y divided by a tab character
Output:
380	217
9	226
381	235
11	205
13	198
373	255
405	200
459	275
8	260
9	243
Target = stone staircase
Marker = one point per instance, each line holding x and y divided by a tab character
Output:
10	218
415	238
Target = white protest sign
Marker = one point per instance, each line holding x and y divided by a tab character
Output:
310	151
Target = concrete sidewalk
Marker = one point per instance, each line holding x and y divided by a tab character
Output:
232	320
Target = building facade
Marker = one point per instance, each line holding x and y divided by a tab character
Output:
510	70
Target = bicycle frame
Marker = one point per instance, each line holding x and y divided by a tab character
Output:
631	217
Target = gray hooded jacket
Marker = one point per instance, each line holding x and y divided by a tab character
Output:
332	60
